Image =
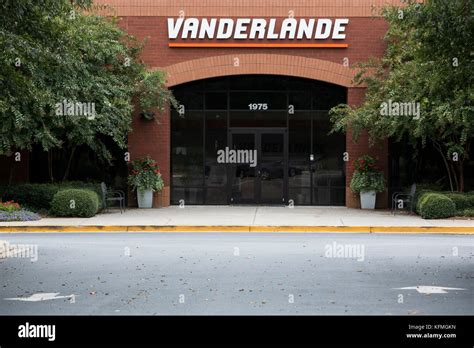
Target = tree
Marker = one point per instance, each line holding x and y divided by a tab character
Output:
69	77
428	64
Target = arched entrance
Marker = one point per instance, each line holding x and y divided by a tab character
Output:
256	139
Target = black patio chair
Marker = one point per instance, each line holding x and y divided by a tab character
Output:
406	197
112	196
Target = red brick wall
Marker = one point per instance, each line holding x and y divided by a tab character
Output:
355	96
152	138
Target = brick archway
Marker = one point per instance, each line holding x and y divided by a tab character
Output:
275	64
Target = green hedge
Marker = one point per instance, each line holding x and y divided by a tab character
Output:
467	212
39	196
417	198
470	199
75	202
460	200
435	206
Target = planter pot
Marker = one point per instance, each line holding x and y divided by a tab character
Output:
367	199
145	198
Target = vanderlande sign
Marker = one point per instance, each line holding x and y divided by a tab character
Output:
257	29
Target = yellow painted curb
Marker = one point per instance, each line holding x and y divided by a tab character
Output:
241	229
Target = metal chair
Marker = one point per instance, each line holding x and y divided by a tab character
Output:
112	196
406	197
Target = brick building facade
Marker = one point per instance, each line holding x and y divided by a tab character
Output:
148	19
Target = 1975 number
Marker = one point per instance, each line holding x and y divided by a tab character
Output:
258	106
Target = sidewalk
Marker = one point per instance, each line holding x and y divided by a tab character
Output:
245	219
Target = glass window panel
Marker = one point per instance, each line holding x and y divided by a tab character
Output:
258	119
299	149
215	173
258	82
300	84
300	195
190	195
187	149
216	195
300	100
216	84
326	96
321	196
216	101
243	176
192	100
272	167
328	168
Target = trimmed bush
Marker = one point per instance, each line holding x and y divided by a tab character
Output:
39	196
460	200
470	199
419	194
75	202
35	196
435	206
467	212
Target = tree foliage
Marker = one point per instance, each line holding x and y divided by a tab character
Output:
61	50
428	60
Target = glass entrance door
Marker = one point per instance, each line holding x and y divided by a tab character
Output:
272	167
258	166
242	164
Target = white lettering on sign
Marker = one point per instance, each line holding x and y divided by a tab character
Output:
257	28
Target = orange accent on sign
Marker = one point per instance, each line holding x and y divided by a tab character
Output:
255	45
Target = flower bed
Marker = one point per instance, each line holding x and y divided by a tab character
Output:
11	211
19	215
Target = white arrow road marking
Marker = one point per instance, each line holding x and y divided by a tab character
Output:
426	289
41	296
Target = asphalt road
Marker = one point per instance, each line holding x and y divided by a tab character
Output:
235	273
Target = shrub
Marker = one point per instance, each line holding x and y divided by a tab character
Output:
429	186
419	194
39	196
84	185
460	200
18	215
436	206
467	212
75	202
470	199
35	196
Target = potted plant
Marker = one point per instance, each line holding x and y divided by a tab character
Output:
367	180
146	178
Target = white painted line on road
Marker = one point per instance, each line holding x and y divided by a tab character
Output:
426	289
41	296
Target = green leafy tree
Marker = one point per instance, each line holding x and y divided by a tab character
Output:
57	52
429	62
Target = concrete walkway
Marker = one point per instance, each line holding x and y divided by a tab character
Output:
248	216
